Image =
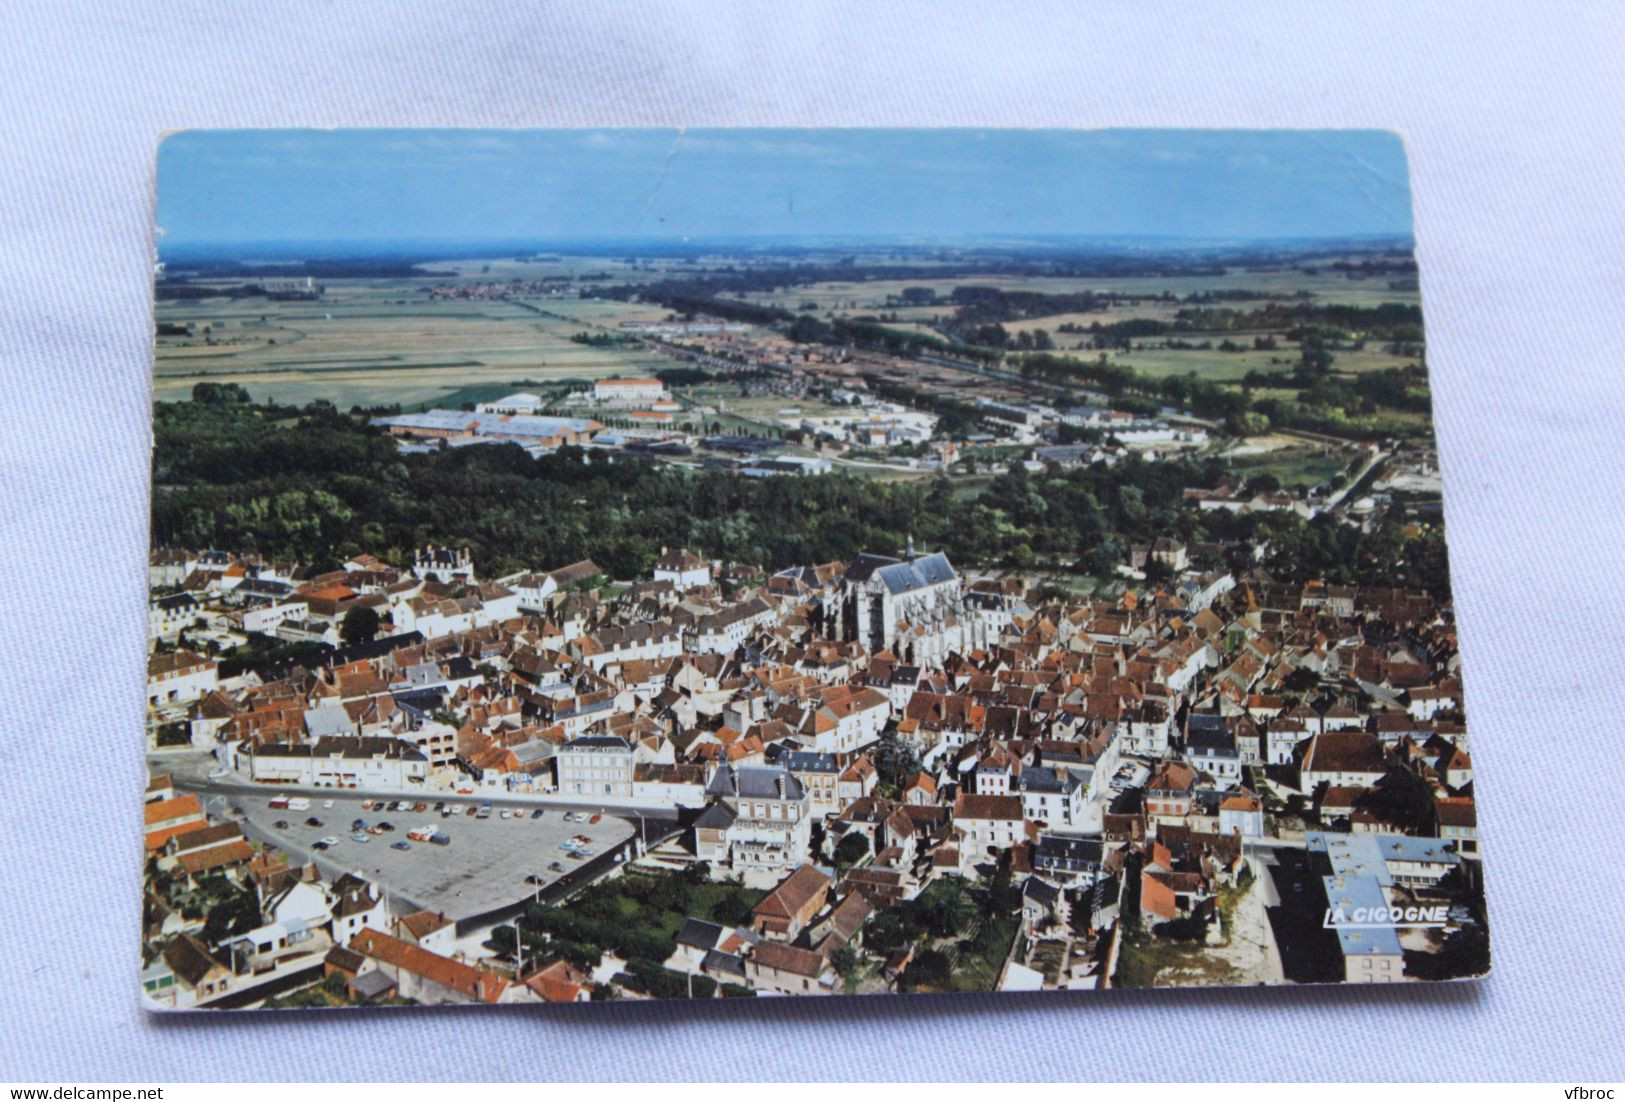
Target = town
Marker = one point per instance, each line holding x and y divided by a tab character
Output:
804	606
886	773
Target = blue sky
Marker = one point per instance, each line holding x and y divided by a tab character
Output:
396	186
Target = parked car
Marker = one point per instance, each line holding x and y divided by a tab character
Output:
441	839
313	822
577	855
596	819
537	814
358	824
471	809
281	824
328	841
400	845
366	805
586	851
420	806
321	845
505	814
327	804
386	827
555	867
360	836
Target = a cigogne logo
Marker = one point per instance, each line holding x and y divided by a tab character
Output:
1367	918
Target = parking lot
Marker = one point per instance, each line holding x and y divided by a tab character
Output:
483	869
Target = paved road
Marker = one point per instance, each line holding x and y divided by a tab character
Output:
1336	497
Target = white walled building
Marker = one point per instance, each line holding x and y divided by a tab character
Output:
367	762
179	676
595	765
682	569
628	392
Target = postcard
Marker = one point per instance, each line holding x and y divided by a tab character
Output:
691	564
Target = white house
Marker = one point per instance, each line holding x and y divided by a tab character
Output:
370	762
1241	814
857	721
682	569
168	616
179	676
1050	795
988	823
266	618
356	906
595	765
760	826
628	392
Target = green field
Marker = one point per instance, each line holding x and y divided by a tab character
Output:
387	341
856	298
370	342
870	296
1295	465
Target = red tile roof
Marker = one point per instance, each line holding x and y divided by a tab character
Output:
476	983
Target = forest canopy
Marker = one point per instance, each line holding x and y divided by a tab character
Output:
318	485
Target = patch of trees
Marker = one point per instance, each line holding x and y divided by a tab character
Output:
178	733
604	340
684	376
1385	266
1385	321
851	849
179	290
237	913
625	939
318	486
977	307
896	760
1465	952
1237	294
359	625
660	982
1402	798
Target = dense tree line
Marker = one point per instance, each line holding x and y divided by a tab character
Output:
1386	321
319	486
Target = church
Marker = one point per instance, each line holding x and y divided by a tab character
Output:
911	606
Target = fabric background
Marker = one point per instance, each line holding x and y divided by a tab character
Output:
1511	115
